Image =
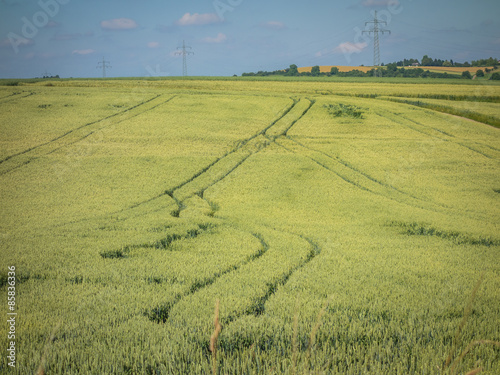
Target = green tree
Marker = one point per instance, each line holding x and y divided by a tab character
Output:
447	63
293	71
466	75
427	61
334	71
315	71
393	67
495	76
480	73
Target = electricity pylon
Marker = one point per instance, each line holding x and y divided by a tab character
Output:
103	65
376	41
184	54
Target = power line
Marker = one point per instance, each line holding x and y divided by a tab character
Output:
376	41
184	54
103	65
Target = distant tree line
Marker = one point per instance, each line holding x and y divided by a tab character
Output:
293	71
51	77
395	69
390	70
427	61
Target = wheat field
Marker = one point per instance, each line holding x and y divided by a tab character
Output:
336	228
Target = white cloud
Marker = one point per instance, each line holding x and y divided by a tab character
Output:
218	39
380	3
153	44
198	19
83	51
349	47
275	25
119	24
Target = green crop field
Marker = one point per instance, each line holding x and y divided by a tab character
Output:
344	227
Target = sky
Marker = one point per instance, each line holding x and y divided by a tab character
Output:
143	38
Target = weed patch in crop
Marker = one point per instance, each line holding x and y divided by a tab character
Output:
345	110
422	229
115	254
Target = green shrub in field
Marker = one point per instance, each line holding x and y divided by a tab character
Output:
344	110
495	77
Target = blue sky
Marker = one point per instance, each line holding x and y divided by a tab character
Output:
140	38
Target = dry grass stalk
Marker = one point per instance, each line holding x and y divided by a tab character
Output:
467	350
41	368
476	371
467	312
214	338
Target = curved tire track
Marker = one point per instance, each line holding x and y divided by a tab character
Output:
246	290
240	154
161	314
355	170
244	147
356	179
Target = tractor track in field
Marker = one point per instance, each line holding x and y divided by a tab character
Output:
256	306
68	133
347	165
253	149
219	179
418	202
474	150
399	120
451	136
240	154
119	121
15	96
73	130
350	181
337	160
311	103
259	306
160	314
171	192
240	145
245	146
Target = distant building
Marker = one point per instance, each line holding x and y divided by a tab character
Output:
415	64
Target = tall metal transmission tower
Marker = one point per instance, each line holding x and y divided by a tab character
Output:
376	41
184	54
103	65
